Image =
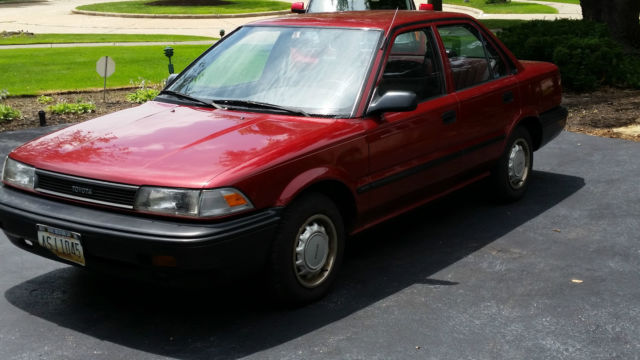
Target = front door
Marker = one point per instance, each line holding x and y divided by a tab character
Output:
405	148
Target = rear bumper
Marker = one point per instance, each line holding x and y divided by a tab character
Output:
553	121
125	243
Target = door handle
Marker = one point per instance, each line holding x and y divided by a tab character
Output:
449	117
507	97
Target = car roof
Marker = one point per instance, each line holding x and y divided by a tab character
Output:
371	19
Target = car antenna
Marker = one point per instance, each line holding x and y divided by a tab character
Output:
386	36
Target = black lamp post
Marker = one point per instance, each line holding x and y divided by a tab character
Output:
168	52
42	117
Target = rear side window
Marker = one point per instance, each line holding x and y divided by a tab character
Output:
472	59
414	65
498	67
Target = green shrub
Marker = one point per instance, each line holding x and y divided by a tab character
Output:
629	74
146	91
588	63
3	94
537	40
45	99
584	51
71	108
7	113
142	95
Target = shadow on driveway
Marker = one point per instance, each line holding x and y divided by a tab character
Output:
231	322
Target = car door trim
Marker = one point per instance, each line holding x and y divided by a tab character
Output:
423	167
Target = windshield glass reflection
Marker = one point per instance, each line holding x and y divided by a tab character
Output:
318	71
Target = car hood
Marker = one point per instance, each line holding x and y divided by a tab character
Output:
180	146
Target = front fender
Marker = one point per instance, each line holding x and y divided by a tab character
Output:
309	178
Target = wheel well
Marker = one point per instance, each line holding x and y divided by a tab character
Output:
534	128
340	195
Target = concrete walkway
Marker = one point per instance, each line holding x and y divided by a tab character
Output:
55	16
131	43
565	11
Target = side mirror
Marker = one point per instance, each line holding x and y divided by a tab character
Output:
298	8
424	7
394	101
170	79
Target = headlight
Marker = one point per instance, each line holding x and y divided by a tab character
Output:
18	174
192	203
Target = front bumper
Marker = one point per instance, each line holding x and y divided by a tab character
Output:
126	243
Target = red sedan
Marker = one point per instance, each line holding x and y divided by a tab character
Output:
279	141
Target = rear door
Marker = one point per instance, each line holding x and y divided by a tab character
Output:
486	89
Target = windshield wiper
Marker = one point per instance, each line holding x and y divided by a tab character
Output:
257	104
188	97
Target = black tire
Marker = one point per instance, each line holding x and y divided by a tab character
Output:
307	251
511	175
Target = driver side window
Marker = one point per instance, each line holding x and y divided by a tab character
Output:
414	65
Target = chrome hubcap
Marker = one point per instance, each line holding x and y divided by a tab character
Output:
314	251
519	163
312	248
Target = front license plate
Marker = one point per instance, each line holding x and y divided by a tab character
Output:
65	244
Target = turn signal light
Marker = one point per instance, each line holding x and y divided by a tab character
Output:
234	199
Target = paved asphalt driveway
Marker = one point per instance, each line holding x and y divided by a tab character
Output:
555	276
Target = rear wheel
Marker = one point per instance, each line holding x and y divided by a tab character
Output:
307	251
513	170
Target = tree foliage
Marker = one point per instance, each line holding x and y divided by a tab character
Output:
621	16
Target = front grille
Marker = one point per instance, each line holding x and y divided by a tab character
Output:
93	191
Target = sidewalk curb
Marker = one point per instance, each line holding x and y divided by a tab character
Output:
181	16
463	9
98	44
23	2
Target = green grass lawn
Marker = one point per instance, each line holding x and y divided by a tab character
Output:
227	7
508	8
93	38
35	71
577	2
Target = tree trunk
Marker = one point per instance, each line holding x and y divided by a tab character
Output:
437	4
621	16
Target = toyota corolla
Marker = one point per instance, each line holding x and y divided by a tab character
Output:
281	140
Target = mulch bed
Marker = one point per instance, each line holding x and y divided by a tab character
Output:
607	112
29	106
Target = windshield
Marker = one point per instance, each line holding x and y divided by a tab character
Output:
319	71
351	5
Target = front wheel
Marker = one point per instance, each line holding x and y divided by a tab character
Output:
307	250
512	172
